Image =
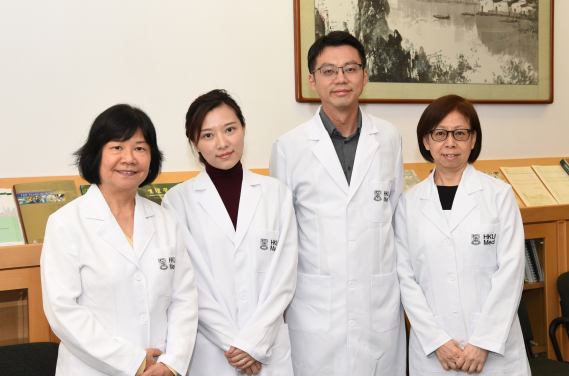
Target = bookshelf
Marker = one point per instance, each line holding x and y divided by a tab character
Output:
19	265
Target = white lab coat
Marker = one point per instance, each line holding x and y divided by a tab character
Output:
106	301
246	276
462	279
346	316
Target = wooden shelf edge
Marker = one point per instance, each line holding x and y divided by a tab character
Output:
548	213
534	285
20	256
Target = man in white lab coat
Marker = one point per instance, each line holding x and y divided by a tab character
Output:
345	170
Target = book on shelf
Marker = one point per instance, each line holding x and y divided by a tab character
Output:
528	186
152	192
10	227
37	201
565	165
556	180
497	175
533	269
410	179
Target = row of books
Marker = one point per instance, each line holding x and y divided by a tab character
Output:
24	210
533	271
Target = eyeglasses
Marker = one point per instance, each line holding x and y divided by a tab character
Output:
350	70
458	134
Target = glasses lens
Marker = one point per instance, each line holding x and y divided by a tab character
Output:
439	134
351	69
461	134
328	70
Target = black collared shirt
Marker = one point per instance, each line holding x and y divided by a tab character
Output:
345	146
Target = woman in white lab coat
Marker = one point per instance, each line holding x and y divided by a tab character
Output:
118	285
460	254
240	232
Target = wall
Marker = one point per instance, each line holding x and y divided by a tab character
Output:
64	62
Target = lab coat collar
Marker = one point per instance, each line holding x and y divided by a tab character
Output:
326	154
214	207
211	202
250	196
367	147
462	204
98	209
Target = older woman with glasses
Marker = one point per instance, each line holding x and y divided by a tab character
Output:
460	254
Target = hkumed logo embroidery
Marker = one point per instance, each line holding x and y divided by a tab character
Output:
162	262
377	195
489	239
274	244
475	239
172	261
264	244
385	196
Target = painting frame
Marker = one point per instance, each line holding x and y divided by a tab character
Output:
382	92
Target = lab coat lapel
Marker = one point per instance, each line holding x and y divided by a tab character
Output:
211	201
367	147
110	232
143	230
325	152
250	197
463	203
433	209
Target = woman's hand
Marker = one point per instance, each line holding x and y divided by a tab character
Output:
242	361
449	354
253	370
158	369
150	354
472	359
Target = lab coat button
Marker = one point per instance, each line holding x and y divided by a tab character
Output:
138	276
352	244
447	242
239	255
144	317
451	277
352	205
352	284
243	295
352	323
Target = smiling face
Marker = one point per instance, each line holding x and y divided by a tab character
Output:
450	155
124	164
222	138
339	92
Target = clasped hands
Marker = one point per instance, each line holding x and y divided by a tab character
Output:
153	368
242	361
471	359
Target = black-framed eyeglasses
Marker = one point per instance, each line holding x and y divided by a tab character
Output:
458	134
328	71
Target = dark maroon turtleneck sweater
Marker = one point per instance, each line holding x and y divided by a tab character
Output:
228	185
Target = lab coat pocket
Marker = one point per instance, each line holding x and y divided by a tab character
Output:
166	264
378	205
266	245
482	244
309	310
385	301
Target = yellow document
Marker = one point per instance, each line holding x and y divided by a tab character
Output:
556	180
410	179
496	175
530	189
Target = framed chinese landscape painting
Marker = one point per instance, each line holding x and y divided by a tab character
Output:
489	51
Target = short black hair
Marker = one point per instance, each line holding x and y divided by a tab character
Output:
334	39
437	111
117	123
201	106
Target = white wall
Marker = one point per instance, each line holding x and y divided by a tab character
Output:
64	62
